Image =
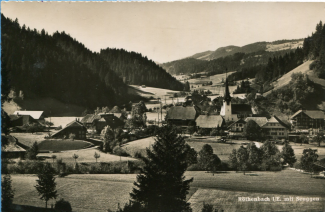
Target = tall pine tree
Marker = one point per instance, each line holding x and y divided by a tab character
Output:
162	185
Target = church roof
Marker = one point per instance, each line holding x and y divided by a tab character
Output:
241	108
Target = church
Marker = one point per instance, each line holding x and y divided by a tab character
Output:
233	112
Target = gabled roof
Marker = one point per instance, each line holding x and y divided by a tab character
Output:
34	114
241	108
261	121
74	123
240	121
209	121
25	119
314	114
181	113
275	119
90	118
115	109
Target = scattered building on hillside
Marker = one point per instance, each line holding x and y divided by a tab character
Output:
90	120
210	122
76	127
311	120
236	129
232	112
99	121
13	149
37	115
182	116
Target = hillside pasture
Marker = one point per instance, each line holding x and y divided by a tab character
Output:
56	145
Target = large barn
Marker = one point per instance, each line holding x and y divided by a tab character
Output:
75	127
181	116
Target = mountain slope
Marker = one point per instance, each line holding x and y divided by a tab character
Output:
36	66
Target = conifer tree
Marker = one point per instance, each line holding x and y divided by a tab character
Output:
46	185
7	193
162	185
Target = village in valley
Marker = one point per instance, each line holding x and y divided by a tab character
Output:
216	134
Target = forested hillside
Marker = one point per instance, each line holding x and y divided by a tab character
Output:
234	62
37	65
139	70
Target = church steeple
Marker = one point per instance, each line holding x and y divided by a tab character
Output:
227	96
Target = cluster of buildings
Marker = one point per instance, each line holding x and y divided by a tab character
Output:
303	121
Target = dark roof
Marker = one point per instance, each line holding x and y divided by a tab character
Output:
72	124
21	120
209	121
240	121
181	113
34	114
281	122
241	108
314	114
90	118
259	120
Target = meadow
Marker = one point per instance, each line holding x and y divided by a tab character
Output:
101	192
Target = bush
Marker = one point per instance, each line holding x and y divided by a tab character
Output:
63	206
120	152
297	165
313	65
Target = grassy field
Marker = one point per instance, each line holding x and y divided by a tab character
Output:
100	192
138	146
63	145
85	156
28	139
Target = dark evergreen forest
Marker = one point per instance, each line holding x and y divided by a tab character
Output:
58	66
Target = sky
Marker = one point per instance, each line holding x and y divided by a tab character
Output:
167	31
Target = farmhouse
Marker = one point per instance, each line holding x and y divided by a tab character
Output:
90	120
20	120
37	115
75	127
273	127
210	121
182	116
308	119
13	149
236	129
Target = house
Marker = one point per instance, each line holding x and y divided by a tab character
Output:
232	112
182	116
210	121
13	149
37	115
236	129
276	129
273	127
90	120
313	120
74	127
21	120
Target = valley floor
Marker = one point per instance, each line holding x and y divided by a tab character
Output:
101	192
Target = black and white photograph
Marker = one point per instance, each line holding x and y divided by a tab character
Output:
162	106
